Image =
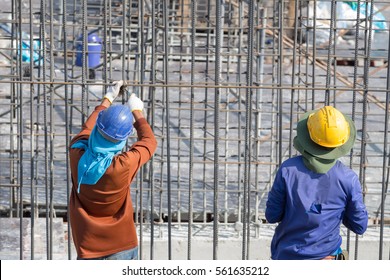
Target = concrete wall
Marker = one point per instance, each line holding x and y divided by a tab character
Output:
229	244
259	249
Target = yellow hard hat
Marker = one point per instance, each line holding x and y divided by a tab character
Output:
328	127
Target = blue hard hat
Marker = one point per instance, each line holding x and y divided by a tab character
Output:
115	122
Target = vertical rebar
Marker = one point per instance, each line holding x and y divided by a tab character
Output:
20	127
367	62
280	79
38	119
124	70
12	115
314	54
334	60
248	128
355	84
67	124
46	144
273	144
306	78
226	155
84	73
385	166
179	156
110	42
72	89
192	123
167	120
104	46
51	160
142	76
206	99
239	144
332	29
151	117
293	73
258	41
32	201
261	38
217	99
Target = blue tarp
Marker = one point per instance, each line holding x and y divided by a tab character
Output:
25	52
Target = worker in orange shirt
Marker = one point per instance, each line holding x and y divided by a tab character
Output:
101	211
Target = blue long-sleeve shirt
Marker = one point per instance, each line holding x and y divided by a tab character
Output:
310	207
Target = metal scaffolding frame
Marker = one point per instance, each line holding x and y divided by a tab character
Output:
224	83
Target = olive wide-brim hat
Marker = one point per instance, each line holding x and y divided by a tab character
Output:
304	144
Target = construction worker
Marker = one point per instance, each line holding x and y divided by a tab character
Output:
314	193
101	211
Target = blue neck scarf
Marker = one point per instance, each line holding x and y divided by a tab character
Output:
97	157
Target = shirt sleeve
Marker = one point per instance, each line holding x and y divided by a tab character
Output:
142	150
274	211
356	216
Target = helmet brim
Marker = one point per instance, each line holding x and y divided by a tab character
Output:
303	143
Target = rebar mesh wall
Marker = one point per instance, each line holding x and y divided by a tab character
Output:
224	83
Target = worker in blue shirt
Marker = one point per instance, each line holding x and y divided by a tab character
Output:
314	193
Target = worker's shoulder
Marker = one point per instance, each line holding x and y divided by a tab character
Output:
292	162
78	137
345	170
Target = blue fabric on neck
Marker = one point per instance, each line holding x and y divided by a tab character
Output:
338	251
97	157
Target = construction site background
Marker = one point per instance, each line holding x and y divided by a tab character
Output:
224	84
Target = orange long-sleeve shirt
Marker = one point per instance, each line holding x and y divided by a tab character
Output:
101	215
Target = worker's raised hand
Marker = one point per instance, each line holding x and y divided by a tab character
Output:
113	91
135	103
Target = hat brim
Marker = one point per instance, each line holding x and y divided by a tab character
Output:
304	144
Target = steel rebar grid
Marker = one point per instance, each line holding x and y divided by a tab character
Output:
191	116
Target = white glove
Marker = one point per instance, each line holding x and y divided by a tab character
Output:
135	103
113	91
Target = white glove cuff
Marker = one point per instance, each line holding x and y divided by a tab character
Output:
109	98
